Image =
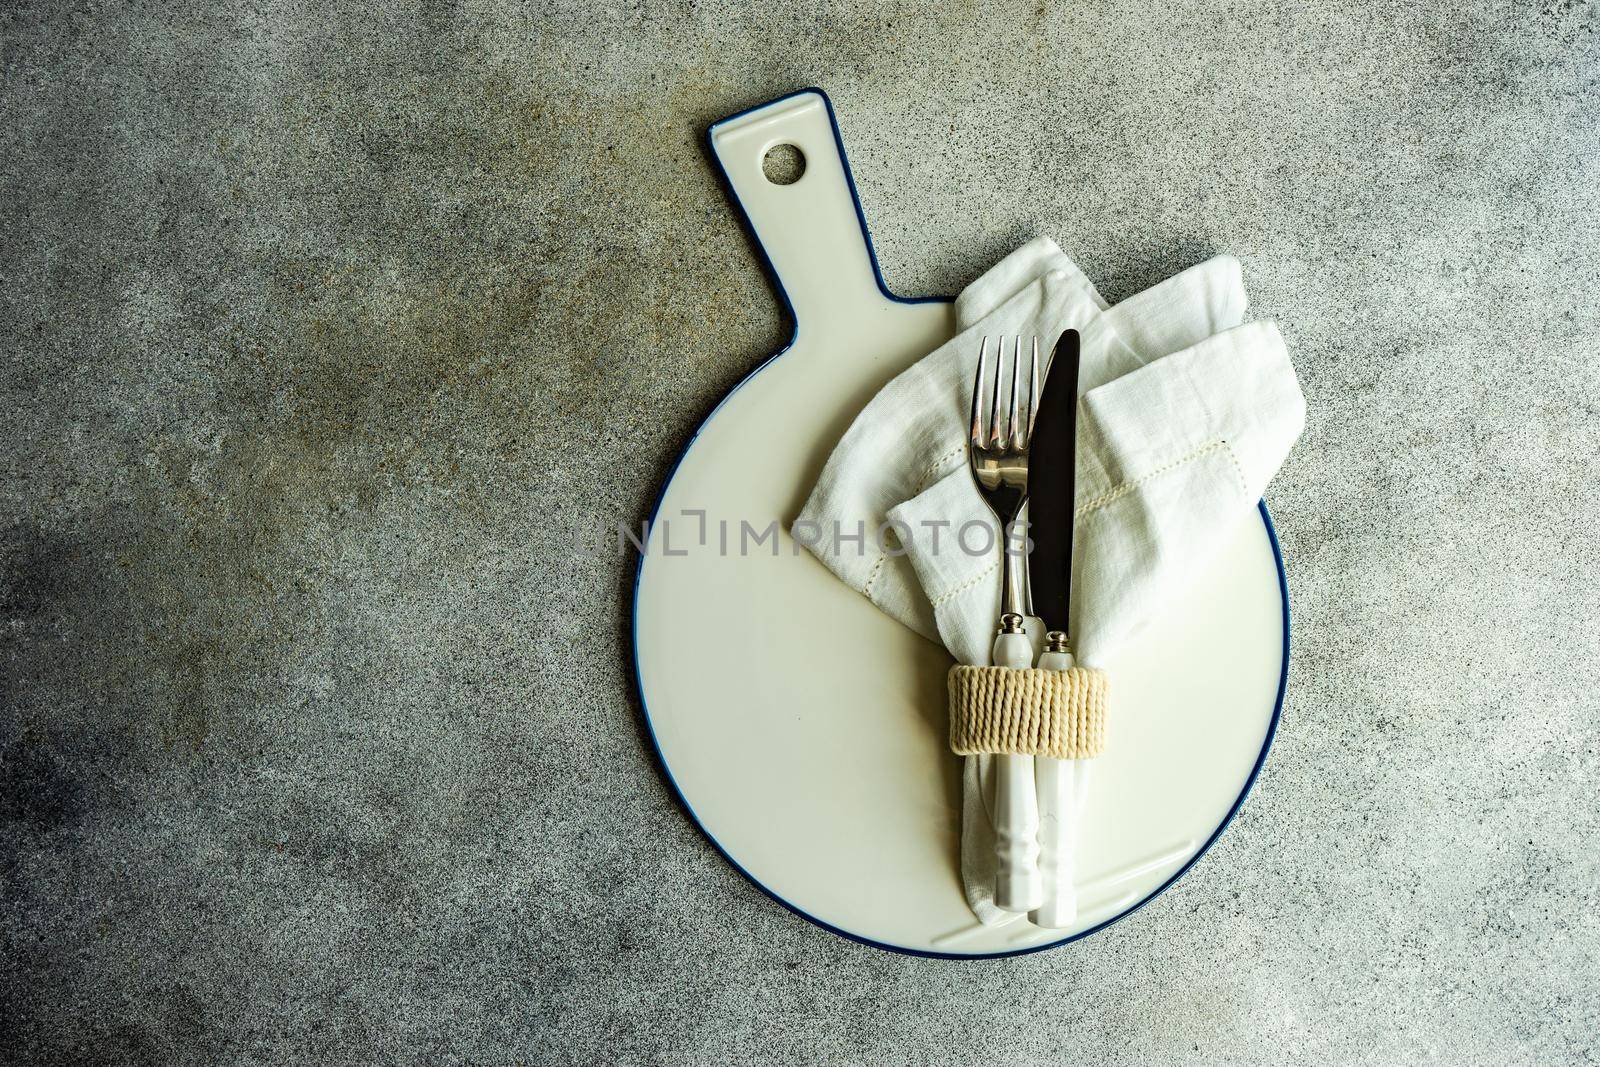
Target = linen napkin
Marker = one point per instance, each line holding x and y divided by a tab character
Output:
1185	415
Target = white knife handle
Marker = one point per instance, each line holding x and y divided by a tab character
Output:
1058	827
1016	807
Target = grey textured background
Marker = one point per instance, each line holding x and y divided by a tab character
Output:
318	746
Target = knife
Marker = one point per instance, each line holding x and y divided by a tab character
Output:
1052	486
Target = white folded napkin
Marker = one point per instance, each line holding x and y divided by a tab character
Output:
1184	417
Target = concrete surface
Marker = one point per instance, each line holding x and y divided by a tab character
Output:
319	746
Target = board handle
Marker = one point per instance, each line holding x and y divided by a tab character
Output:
810	230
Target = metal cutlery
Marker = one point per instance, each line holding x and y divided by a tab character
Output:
1052	485
997	451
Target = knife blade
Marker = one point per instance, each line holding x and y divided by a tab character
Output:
1052	485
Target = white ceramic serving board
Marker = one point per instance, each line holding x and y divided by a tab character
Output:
804	730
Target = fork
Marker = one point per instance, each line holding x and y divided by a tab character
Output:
998	454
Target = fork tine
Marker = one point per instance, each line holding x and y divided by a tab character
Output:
977	436
1018	413
1014	414
994	405
1033	390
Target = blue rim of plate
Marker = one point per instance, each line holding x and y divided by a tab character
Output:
655	509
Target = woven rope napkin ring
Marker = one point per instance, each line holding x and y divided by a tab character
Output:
1028	712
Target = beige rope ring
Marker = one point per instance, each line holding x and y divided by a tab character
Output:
1028	712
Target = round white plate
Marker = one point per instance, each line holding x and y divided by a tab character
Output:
804	730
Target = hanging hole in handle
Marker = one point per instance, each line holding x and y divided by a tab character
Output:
783	164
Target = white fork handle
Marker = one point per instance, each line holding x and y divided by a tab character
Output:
1059	796
1016	806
